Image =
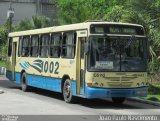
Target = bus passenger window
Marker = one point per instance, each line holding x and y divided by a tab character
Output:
44	45
25	46
69	44
34	46
55	45
9	47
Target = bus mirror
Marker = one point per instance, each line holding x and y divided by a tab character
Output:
86	47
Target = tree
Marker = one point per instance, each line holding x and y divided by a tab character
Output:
74	11
35	22
3	41
144	12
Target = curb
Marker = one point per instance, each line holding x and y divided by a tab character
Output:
1	91
144	101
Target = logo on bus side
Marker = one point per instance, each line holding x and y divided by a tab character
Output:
42	66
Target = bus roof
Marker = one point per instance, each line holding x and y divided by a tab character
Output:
70	27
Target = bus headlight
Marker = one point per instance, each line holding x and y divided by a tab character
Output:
140	92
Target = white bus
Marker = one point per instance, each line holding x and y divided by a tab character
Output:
89	60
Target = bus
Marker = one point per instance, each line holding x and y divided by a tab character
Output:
93	60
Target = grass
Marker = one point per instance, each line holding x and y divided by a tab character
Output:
154	89
153	93
153	98
2	63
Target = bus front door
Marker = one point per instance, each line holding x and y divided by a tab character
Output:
14	60
81	66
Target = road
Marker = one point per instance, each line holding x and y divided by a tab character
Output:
41	102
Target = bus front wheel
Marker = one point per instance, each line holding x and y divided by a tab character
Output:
67	92
118	100
24	86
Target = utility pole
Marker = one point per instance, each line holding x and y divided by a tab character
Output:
38	7
10	15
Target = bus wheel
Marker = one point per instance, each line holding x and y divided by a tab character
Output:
67	92
118	100
24	86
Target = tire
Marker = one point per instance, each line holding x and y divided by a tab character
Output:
24	86
67	92
118	100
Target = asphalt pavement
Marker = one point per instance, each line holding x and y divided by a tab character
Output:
41	102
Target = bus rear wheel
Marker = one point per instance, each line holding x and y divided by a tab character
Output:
24	86
118	100
67	92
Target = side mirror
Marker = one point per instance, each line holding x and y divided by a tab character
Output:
86	47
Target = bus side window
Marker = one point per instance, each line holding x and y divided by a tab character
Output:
25	46
68	45
55	45
44	43
20	46
34	46
9	47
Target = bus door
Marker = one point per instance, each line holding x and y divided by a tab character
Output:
14	60
81	66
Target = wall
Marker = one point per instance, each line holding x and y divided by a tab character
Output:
26	9
21	10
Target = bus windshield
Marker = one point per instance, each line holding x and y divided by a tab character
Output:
117	54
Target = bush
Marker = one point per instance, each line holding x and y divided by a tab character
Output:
153	98
154	89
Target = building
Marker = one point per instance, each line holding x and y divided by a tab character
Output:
26	9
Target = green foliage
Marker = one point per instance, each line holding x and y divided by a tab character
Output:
41	22
2	63
3	42
154	89
144	12
153	98
35	22
74	11
26	24
3	35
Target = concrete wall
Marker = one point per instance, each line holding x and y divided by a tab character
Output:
21	10
26	9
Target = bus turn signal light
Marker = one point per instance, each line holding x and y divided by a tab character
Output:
89	84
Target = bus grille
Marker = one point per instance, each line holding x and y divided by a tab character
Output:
127	78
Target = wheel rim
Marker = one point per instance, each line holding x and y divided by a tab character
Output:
67	90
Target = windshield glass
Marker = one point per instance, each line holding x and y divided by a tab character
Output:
117	54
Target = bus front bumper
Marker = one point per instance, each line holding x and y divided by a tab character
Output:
94	92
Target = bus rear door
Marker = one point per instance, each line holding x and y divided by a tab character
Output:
14	59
